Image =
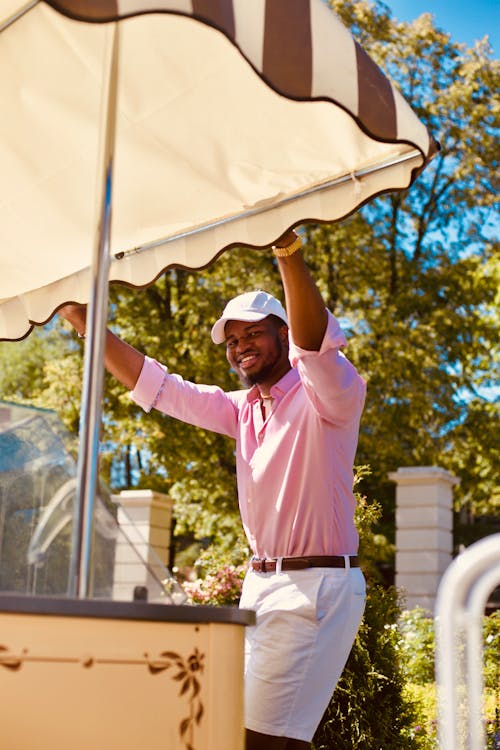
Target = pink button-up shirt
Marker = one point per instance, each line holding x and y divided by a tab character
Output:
295	469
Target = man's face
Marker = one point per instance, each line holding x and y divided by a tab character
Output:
257	351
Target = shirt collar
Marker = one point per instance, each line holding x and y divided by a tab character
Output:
278	389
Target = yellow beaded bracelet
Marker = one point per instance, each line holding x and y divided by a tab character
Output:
284	252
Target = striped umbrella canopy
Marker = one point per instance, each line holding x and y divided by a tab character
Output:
235	120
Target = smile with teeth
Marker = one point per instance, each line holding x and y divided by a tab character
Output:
247	360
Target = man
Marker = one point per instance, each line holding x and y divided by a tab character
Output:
296	428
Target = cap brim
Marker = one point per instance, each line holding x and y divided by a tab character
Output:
218	329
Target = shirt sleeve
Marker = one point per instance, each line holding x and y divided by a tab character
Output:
201	405
332	383
150	384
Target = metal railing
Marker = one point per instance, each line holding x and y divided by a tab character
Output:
460	605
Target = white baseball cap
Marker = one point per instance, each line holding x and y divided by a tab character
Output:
250	306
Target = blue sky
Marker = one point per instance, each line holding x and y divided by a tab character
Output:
466	21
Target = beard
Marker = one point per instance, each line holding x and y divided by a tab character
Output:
266	371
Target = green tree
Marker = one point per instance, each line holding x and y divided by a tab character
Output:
418	268
22	364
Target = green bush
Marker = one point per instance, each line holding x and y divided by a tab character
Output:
417	645
491	639
386	697
371	709
417	651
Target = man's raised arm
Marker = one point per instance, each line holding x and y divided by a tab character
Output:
121	359
305	308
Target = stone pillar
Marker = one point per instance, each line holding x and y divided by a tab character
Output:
424	520
142	550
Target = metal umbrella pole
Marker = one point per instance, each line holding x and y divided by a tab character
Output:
92	389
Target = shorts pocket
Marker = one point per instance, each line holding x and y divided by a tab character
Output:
336	589
358	583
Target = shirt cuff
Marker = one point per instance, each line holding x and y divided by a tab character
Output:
150	384
334	338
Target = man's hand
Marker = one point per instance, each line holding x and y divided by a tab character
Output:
286	239
76	315
121	359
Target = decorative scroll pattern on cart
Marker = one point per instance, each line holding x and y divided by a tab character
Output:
186	672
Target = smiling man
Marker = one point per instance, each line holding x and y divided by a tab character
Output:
256	346
296	425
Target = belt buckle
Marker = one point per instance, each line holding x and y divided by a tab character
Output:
260	564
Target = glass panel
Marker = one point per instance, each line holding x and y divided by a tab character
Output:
37	495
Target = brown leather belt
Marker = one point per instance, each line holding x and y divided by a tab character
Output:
268	565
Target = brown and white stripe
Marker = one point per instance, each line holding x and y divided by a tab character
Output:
294	45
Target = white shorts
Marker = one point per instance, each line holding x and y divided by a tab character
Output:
306	623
